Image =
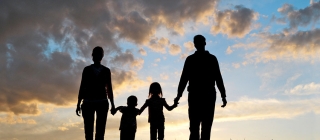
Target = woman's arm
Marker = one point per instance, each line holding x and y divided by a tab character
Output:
81	91
109	90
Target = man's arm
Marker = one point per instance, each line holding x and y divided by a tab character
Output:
220	84
183	80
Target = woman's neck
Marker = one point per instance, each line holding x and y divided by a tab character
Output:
97	63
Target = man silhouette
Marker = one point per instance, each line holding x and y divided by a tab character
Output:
201	70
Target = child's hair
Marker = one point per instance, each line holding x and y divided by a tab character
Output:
132	100
155	89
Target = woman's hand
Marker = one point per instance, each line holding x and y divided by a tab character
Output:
78	110
113	110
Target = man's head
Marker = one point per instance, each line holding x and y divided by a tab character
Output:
199	42
97	54
132	101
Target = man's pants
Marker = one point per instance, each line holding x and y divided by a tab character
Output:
88	113
201	111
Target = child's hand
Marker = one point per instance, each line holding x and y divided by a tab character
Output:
175	104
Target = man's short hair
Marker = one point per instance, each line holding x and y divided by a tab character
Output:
199	38
97	51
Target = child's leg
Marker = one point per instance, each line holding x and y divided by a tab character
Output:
153	131
161	131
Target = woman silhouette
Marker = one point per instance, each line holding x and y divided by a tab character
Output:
95	85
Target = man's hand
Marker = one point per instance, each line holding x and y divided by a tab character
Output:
78	110
176	100
224	100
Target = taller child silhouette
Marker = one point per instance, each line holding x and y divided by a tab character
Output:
202	71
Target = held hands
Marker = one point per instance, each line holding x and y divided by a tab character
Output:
224	100
113	110
176	100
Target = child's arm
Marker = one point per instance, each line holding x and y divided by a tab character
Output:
169	108
143	107
115	111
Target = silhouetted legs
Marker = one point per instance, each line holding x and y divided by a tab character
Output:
201	112
127	134
88	112
102	113
156	127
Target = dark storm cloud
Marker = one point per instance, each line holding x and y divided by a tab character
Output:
302	17
44	45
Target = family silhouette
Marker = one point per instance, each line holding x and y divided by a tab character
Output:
201	72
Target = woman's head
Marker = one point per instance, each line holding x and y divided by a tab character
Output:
97	54
155	90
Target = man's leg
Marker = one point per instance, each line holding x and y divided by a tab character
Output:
194	119
102	113
88	120
207	116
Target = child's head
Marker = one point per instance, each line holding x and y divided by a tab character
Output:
132	101
155	90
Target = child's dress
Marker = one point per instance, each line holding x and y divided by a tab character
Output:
156	117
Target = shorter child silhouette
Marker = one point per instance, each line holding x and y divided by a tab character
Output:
156	117
128	124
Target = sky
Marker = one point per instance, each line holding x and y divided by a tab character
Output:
268	52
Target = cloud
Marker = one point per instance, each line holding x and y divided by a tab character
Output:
258	109
126	81
174	49
234	23
142	52
307	89
164	76
189	46
236	65
12	119
299	46
302	17
229	50
159	45
44	46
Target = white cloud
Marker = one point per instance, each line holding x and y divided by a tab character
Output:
259	109
306	89
229	50
189	46
236	65
174	49
164	76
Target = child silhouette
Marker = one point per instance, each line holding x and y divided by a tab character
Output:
156	117
128	124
